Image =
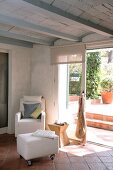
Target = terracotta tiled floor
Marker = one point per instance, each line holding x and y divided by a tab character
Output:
71	157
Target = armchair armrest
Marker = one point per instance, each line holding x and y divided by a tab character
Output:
17	119
43	120
18	116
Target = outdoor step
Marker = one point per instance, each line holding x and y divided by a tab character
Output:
99	124
99	116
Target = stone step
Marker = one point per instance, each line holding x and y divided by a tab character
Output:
107	125
99	116
99	121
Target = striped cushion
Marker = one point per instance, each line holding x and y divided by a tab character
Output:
44	133
36	113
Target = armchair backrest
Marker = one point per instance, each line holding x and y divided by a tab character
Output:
32	100
27	125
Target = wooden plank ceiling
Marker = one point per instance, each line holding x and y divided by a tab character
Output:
46	21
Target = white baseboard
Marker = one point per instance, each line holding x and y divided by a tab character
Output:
3	130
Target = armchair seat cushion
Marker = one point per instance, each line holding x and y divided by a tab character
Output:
29	120
28	126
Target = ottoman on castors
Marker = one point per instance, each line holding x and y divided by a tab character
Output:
30	146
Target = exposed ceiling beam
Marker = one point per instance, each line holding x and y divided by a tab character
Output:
110	2
23	37
35	27
12	41
84	23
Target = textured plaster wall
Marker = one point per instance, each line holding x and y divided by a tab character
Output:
19	78
44	80
30	73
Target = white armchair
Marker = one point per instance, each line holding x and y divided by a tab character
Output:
28	125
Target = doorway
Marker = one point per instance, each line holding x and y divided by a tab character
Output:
99	116
96	131
69	77
3	90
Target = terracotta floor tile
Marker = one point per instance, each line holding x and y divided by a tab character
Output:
61	160
61	154
45	161
97	166
104	153
77	159
94	159
63	167
80	166
109	165
29	168
91	155
71	157
2	155
46	167
111	152
4	148
106	159
11	164
23	165
76	152
2	162
36	163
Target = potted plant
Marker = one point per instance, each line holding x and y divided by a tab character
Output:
107	90
93	77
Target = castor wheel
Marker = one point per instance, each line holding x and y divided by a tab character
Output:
52	156
20	157
29	163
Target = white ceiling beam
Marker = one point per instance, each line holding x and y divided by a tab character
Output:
23	37
110	2
12	41
35	27
68	16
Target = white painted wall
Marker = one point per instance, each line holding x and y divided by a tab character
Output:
44	80
19	78
62	92
30	73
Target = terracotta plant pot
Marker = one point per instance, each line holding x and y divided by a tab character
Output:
107	97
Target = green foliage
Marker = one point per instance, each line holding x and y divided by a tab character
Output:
107	85
106	69
99	75
93	74
75	85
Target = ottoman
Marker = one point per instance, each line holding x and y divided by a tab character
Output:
30	147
